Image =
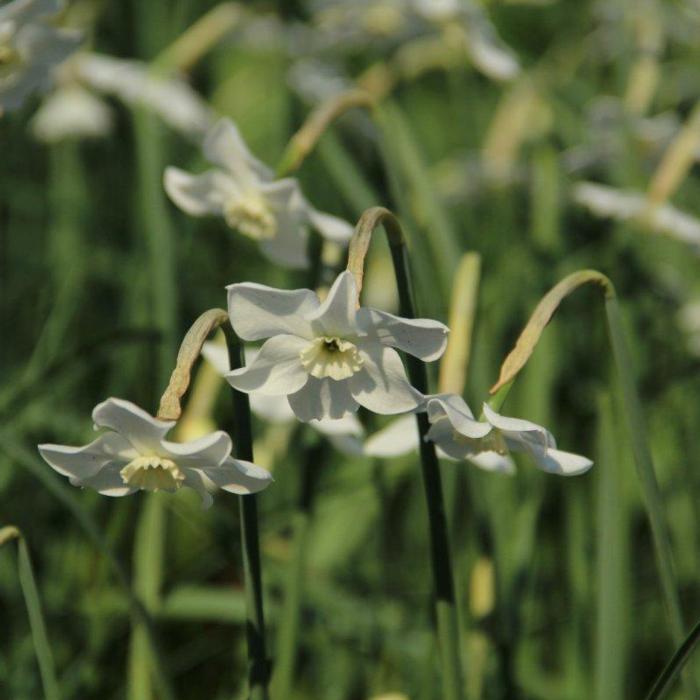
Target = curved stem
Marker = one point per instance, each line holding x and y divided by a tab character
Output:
259	665
440	555
674	666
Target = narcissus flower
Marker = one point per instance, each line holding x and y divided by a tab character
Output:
401	437
455	430
245	193
134	455
328	357
30	49
344	434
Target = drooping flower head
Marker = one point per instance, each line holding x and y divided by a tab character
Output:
245	193
329	357
30	49
134	455
455	430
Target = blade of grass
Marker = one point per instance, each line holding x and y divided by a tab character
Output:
675	665
40	637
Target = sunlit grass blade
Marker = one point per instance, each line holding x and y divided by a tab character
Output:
675	665
37	623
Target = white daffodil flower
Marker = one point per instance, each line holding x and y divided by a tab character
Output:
344	433
401	437
328	357
460	435
134	455
245	193
30	49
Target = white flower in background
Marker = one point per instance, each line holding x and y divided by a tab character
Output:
245	193
30	49
401	437
135	84
625	205
71	111
134	455
329	357
460	435
344	433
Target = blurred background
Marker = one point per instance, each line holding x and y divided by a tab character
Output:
544	135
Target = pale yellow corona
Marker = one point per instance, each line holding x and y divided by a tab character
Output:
153	474
331	357
252	216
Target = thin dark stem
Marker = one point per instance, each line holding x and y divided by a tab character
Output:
675	665
259	665
440	555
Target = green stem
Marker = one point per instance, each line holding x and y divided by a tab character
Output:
259	665
291	612
440	555
674	666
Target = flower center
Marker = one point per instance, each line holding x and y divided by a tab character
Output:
252	216
153	474
331	357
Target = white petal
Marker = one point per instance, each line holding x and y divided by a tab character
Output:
455	409
84	462
107	481
342	426
336	315
321	399
216	354
225	147
398	438
199	482
277	370
519	430
207	451
198	195
282	194
142	430
239	476
289	245
493	462
330	227
257	311
26	10
274	409
382	385
559	462
347	444
445	437
420	337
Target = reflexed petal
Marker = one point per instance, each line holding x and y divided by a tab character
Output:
336	315
448	440
455	409
559	462
381	385
199	195
209	450
143	431
225	147
288	246
274	409
330	227
84	462
239	476
342	426
493	462
277	369
420	337
257	311
321	399
518	429
108	481
347	444
216	354
197	480
398	438
281	194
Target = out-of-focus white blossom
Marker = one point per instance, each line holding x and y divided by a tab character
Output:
134	83
134	455
31	48
624	205
246	194
71	111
